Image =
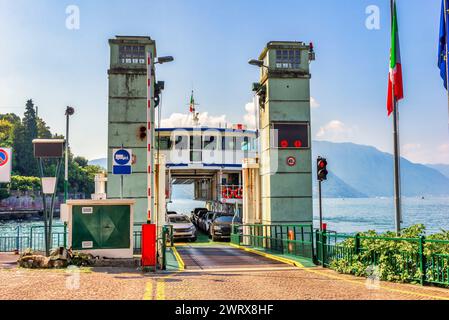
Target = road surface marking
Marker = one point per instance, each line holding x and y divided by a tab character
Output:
148	291
270	256
181	263
160	288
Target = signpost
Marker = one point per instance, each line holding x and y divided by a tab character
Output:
5	165
48	149
122	164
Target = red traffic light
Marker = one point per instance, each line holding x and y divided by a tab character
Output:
142	133
284	144
322	169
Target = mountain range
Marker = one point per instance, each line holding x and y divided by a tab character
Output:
370	172
359	171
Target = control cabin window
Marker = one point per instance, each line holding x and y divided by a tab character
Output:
132	54
228	143
288	59
242	143
210	143
291	135
165	143
238	144
181	142
195	142
195	148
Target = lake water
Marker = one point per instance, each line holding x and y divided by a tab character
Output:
345	215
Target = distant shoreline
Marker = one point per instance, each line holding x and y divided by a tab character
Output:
23	215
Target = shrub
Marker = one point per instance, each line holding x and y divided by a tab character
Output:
394	259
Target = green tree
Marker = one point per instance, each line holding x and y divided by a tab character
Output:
24	134
43	131
6	133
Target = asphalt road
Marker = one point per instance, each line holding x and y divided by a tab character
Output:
224	257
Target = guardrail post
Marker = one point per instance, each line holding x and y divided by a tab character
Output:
18	239
323	247
357	243
164	247
422	260
31	238
315	250
65	235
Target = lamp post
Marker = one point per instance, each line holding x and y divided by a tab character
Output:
68	112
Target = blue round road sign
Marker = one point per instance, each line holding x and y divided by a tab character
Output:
122	157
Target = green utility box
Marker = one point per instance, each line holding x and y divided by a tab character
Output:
103	228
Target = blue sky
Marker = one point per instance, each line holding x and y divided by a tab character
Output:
212	41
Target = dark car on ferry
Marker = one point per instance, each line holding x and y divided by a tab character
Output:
221	227
196	214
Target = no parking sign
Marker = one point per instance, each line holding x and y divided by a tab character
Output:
5	165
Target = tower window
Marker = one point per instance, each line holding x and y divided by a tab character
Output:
288	59
132	54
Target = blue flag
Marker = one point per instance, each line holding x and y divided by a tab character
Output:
444	31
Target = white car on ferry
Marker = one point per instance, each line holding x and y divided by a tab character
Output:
183	228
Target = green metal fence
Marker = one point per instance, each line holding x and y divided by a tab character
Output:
20	239
290	240
416	260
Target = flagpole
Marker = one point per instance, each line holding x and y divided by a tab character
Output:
397	171
447	54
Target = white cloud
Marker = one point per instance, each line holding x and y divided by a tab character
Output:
314	103
419	153
186	120
444	149
249	119
335	131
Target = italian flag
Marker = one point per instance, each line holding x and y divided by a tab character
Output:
192	104
395	87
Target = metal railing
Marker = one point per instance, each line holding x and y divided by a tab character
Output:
232	192
289	240
19	239
414	260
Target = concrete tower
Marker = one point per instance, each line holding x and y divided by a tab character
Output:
128	116
285	147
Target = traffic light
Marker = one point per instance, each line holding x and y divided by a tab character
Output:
142	133
322	169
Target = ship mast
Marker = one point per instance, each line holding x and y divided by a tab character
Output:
195	115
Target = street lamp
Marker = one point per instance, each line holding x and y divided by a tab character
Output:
257	63
162	60
68	112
